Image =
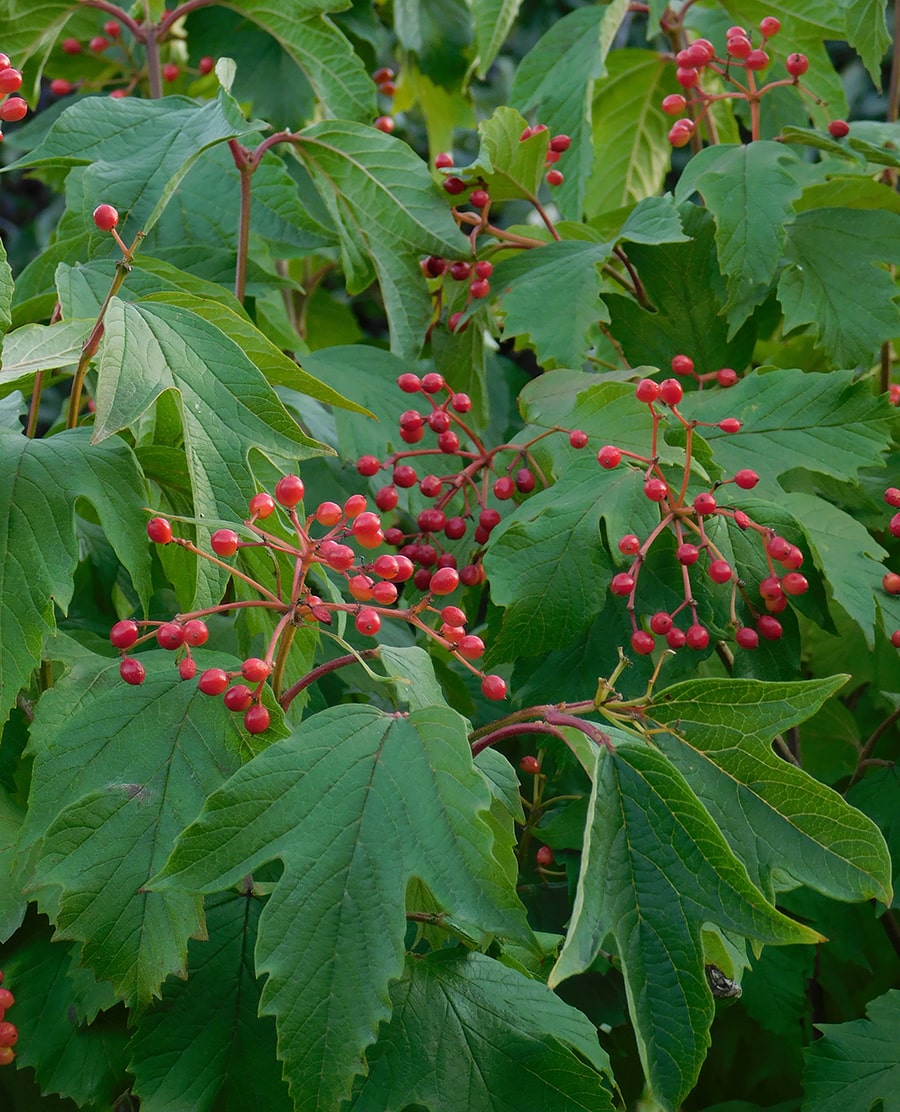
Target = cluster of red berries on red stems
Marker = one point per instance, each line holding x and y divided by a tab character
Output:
700	57
323	540
12	108
891	580
687	518
460	498
9	1034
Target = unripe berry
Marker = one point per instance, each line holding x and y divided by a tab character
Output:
530	765
609	457
257	719
262	505
747	638
159	530
622	584
105	217
289	490
493	687
132	671
642	642
674	104
796	64
224	542
238	697
124	634
697	637
769	627
213	681
687	554
746	479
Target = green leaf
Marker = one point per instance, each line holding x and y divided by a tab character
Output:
509	166
6	291
118	772
355	804
855	1064
39	483
655	868
493	21
750	190
335	71
632	151
415	683
827	424
139	150
41	347
833	285
866	31
198	1047
786	827
468	1034
874	796
383	202
227	407
551	294
70	1053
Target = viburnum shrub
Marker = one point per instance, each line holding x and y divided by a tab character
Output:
450	627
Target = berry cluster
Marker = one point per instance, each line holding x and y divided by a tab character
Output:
459	499
683	366
319	545
891	580
688	521
740	54
11	108
9	1034
109	39
386	85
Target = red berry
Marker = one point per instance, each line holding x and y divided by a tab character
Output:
170	635
289	490
778	548
170	71
58	86
124	634
443	160
480	198
368	621
7	1055
837	128
224	542
793	560
530	765
481	287
493	687
16	108
385	124
705	504
670	391
770	26
622	583
796	64
360	586
730	424
524	480
892	496
796	584
10	80
405	569
112	28
700	52
329	513
368	465
776	605
433	383
656	489
890	582
444	581
448	442
895	638
683	365
674	104
894	526
504	488
454	186
460	403
6	999
409	383
578	438
555	177
9	1034
470	647
196	632
687	77
213	681
98	44
385	594
629	544
747	638
609	457
71	46
254	669
206	65
238	698
642	642
757	60
720	571
697	637
132	671
675	638
455	528
257	719
746	479
726	377
489	519
544	857
770	587
661	623
738	46
386	498
354	507
159	530
770	628
687	554
471	575
405	476
647	390
187	668
105	217
680	133
262	505
560	143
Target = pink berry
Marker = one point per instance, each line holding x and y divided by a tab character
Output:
642	642
746	479
493	687
747	638
224	542
674	104
196	632
609	457
726	377
124	634
257	719
683	365
796	584
132	671
697	637
730	424
687	554
289	490
720	571
187	668
656	490
105	217
687	77
159	530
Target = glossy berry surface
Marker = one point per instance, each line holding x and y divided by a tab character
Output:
213	681
544	857
493	687
257	719
105	217
124	634
530	765
224	542
159	530
289	490
132	671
